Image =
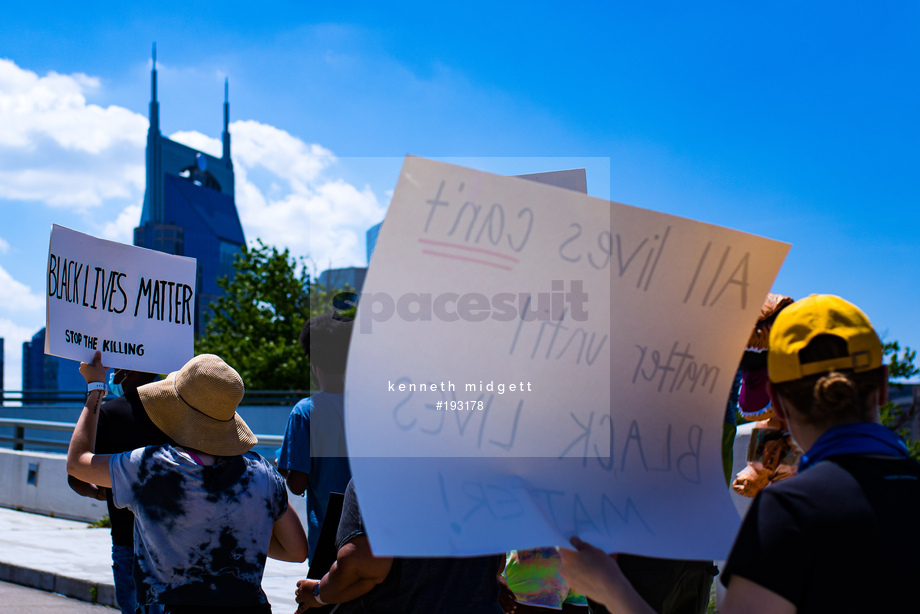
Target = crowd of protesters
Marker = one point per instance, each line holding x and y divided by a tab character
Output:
173	459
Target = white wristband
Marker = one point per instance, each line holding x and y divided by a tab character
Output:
316	595
92	386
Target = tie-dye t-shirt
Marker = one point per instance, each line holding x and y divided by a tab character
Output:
201	532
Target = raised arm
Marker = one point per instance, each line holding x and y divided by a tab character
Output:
82	463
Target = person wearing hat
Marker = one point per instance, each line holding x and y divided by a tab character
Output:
123	425
838	536
207	509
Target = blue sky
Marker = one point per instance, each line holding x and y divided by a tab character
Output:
799	123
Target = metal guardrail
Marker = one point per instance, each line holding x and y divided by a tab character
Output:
19	440
50	403
19	426
56	397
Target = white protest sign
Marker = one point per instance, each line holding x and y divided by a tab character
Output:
621	373
135	305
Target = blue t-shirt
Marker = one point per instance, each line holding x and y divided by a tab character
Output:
201	533
314	443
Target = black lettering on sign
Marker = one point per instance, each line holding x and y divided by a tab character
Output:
64	278
168	301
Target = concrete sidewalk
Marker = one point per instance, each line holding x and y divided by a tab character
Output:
67	557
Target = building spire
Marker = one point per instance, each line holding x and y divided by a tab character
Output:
154	105
226	135
153	207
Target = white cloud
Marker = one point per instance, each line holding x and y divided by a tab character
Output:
122	229
55	106
16	296
4	246
27	316
280	153
201	142
62	186
56	148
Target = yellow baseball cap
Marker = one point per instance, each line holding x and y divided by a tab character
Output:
821	314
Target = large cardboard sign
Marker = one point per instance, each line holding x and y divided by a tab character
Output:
530	363
135	305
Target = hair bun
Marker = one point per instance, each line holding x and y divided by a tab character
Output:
834	393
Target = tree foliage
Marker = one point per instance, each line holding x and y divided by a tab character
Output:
255	325
900	367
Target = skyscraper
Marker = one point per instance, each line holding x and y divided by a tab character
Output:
42	371
371	239
189	207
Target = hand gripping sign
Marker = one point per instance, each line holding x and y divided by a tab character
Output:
135	305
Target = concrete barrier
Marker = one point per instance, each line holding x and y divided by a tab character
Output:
37	482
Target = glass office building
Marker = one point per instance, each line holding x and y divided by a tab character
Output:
189	207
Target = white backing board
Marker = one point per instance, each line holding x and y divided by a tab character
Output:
626	366
135	305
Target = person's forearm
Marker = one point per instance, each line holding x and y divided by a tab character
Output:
83	440
590	571
338	587
355	572
82	463
86	490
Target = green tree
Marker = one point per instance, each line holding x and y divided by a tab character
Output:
256	323
900	367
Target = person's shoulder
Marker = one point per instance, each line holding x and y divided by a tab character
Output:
836	484
818	477
323	398
328	403
822	481
148	455
252	456
115	407
881	472
303	406
881	464
259	462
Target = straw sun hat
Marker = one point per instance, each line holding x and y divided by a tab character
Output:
196	407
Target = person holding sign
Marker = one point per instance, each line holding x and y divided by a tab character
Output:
363	583
123	425
833	538
207	510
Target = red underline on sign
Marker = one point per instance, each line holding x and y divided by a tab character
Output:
468	248
476	260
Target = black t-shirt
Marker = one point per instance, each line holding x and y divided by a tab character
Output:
124	425
839	537
423	585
